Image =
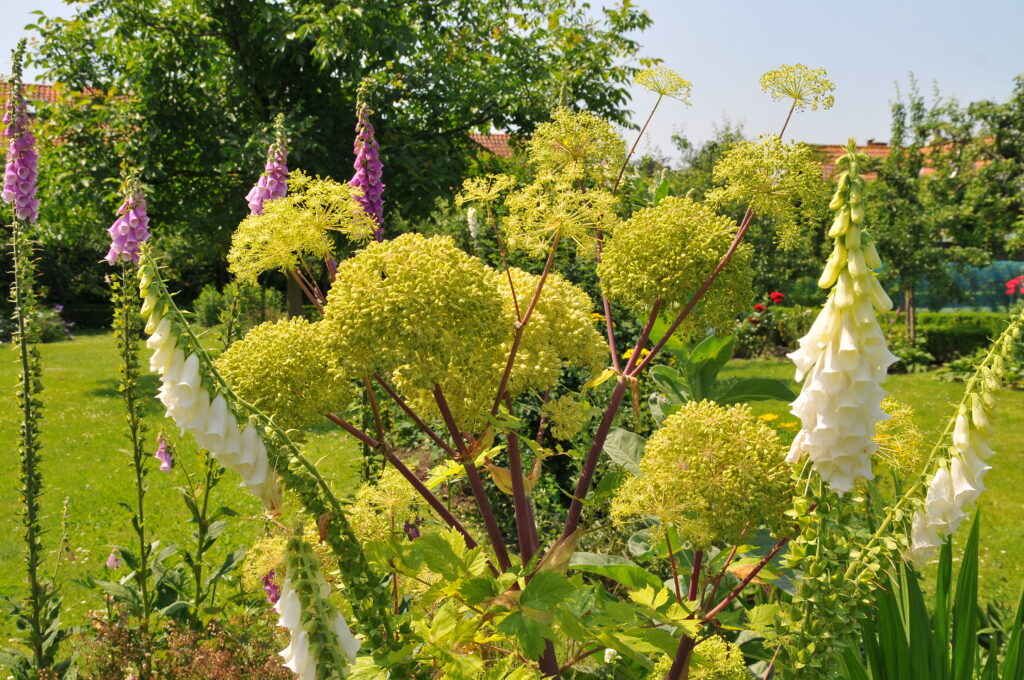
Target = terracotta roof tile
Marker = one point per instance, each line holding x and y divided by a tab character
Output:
499	144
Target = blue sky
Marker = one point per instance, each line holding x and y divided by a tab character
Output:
971	50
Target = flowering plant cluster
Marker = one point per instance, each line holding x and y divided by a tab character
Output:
411	573
1015	285
21	168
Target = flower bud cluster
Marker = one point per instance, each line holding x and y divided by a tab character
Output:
714	658
130	230
668	252
843	356
566	416
710	472
285	369
273	183
20	172
958	482
321	646
368	169
185	392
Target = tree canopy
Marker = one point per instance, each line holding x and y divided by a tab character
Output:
185	90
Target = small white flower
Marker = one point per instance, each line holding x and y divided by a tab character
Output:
472	223
610	655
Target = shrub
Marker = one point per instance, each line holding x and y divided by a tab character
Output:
948	336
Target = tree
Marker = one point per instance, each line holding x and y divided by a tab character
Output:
929	212
186	89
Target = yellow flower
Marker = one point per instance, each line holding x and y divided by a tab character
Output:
769	417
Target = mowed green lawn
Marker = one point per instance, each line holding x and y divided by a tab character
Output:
85	458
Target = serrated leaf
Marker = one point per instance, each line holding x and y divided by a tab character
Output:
546	590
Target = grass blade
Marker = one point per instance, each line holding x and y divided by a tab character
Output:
940	632
1013	665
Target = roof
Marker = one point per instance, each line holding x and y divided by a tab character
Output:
500	144
832	153
35	92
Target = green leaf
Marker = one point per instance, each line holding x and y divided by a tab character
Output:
669	380
1013	666
478	589
761	618
625	449
530	633
546	590
965	608
661	192
704	363
619	569
753	389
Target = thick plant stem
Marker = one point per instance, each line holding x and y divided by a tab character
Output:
680	669
521	501
475	483
747	579
426	429
593	455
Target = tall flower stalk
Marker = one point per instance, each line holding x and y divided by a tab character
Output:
128	232
273	183
367	165
37	615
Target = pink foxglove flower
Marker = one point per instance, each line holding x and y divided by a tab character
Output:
272	590
368	169
163	454
130	230
843	356
273	183
113	562
20	171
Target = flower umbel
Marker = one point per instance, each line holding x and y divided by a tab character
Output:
666	82
807	87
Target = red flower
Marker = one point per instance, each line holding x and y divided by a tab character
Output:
1014	284
752	320
759	307
776	297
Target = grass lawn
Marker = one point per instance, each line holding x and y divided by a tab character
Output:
85	458
1002	546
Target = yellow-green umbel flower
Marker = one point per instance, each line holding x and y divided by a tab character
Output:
668	251
708	472
806	87
296	226
714	658
665	82
285	369
422	312
777	180
566	416
559	331
539	211
577	146
485	190
382	506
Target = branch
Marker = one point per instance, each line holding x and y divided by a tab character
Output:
747	579
415	418
475	483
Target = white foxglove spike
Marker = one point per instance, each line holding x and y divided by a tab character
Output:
190	383
217	424
843	357
160	334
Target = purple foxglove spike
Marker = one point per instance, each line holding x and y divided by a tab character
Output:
273	183
163	454
368	170
130	230
113	562
272	590
20	170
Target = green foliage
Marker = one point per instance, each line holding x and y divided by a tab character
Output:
665	254
704	441
948	336
905	640
695	378
199	102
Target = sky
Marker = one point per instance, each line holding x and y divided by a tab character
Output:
970	50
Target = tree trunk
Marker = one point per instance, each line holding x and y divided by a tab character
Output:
908	304
294	296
